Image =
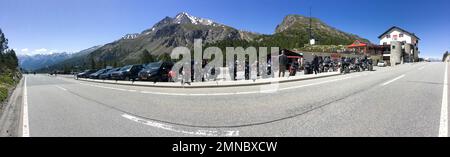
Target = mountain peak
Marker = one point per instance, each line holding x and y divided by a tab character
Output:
181	18
182	14
185	18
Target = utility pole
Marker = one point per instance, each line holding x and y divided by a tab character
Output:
312	41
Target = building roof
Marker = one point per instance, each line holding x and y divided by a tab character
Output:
395	27
291	53
357	43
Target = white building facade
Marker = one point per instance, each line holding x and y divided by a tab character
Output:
404	45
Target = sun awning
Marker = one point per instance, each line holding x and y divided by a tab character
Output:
357	43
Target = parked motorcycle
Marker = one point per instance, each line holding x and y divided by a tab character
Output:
356	65
367	65
308	69
345	66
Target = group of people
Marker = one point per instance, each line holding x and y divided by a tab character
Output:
317	65
295	64
284	65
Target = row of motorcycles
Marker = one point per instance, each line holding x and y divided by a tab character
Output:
345	65
355	64
324	65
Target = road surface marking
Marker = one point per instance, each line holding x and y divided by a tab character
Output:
119	89
443	126
421	68
25	124
61	88
225	94
230	133
318	83
395	79
146	92
179	94
251	92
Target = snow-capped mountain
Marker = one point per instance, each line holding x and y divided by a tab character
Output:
46	61
183	18
161	38
38	61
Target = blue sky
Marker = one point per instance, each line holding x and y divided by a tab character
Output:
46	26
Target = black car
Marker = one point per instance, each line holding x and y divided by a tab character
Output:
129	72
107	75
156	72
97	74
86	73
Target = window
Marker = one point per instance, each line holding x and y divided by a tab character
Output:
384	43
393	46
401	35
388	36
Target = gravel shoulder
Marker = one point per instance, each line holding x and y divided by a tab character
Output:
10	112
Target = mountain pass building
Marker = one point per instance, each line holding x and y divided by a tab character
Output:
403	46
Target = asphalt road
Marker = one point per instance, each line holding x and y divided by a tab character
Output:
402	101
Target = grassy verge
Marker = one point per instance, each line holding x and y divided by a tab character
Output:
6	82
3	93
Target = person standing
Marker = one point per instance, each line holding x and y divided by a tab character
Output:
301	63
315	64
283	63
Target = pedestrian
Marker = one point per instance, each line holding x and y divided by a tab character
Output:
247	69
235	70
320	64
315	64
283	63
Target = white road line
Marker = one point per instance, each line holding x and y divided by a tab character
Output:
421	68
234	93
179	94
61	88
25	123
395	79
318	83
228	133
443	126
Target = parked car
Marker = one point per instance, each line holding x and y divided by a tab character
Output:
86	73
382	64
107	75
129	72
97	74
156	72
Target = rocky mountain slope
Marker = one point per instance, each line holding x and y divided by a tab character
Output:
165	35
182	29
298	26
